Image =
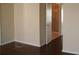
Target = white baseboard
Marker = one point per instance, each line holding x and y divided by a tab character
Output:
6	42
42	44
28	43
70	52
47	42
22	42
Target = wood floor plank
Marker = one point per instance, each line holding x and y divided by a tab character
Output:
16	48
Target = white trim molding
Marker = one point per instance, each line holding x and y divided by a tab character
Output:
32	44
73	52
6	42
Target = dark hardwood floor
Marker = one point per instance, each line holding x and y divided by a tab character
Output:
16	48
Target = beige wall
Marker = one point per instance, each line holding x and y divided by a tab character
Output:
0	34
19	21
0	24
70	28
42	24
7	21
27	28
25	23
30	23
48	23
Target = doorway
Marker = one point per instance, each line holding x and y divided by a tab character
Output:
53	29
56	20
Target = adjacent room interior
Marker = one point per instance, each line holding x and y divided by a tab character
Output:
56	20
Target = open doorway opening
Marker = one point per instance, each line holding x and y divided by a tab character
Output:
56	20
53	28
53	21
